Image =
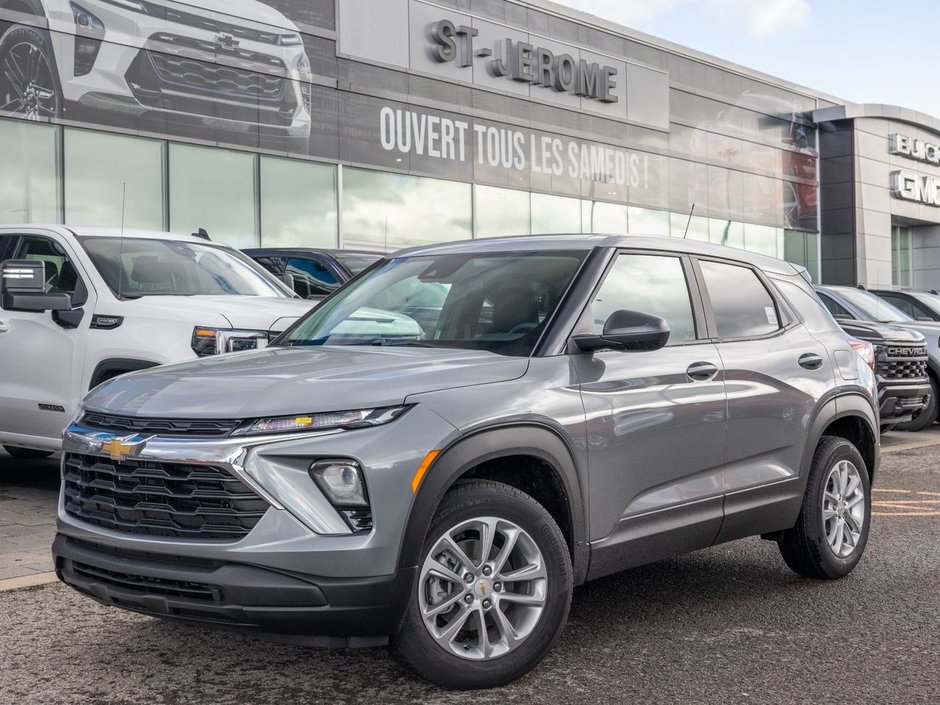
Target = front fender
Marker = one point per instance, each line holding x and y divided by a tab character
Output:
491	444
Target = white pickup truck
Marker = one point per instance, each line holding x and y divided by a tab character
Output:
79	306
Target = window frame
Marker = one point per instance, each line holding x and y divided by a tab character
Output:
692	284
786	318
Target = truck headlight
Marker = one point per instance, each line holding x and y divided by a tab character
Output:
363	418
212	341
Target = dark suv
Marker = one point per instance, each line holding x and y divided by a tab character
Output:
574	406
312	273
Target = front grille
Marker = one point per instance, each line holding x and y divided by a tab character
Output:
194	76
901	362
160	499
213	25
144	585
171	428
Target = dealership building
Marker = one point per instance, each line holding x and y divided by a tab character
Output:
380	124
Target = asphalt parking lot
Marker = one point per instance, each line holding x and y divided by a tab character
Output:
729	624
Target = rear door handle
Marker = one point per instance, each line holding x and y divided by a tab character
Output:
811	361
702	371
4	327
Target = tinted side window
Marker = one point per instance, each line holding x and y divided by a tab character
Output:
7	243
653	284
61	275
311	278
742	306
900	302
836	309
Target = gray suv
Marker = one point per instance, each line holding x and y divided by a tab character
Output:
449	444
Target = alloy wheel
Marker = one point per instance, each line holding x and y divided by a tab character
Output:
27	82
843	508
482	588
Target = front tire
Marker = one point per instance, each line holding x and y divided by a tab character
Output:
26	453
493	591
832	530
29	80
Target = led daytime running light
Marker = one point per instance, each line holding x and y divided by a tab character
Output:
320	422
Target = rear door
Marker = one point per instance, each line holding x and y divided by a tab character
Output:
776	372
655	420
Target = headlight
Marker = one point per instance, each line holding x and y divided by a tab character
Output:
89	31
306	77
320	422
212	341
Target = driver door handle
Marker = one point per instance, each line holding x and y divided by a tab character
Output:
4	327
811	361
701	371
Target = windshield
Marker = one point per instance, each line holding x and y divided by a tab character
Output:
135	267
496	302
356	263
875	309
931	301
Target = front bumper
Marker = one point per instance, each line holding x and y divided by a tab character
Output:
237	596
899	402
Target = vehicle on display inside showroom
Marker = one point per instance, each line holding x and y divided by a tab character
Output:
167	62
578	405
314	273
79	306
850	303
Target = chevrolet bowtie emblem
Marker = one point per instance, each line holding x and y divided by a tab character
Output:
119	448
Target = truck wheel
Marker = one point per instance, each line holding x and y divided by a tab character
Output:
832	530
926	416
26	453
493	591
29	83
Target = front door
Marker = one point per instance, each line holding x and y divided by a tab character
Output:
655	421
41	368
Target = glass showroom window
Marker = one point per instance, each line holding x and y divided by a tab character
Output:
644	221
28	167
726	232
298	203
391	211
97	168
214	189
502	211
900	256
555	214
689	228
600	217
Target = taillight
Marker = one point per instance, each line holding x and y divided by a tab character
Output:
865	349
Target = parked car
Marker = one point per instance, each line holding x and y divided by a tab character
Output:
118	302
899	358
578	405
314	274
848	303
162	61
919	305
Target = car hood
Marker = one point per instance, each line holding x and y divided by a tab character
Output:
247	10
243	312
879	332
285	381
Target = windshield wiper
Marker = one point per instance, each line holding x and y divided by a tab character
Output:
393	342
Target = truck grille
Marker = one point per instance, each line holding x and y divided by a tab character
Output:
902	362
160	499
172	428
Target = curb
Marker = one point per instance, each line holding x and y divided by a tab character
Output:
27	581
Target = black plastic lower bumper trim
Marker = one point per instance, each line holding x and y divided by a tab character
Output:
234	596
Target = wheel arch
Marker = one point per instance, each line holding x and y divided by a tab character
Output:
531	457
850	417
112	367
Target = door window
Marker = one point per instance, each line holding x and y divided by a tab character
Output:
311	278
742	306
653	284
835	308
61	275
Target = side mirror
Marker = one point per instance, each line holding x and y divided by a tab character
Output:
23	285
628	331
287	279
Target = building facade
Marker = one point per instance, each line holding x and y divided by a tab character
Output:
385	123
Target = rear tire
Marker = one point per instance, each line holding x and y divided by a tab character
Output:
832	530
483	617
26	453
926	416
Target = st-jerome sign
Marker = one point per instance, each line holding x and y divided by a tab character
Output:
521	61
